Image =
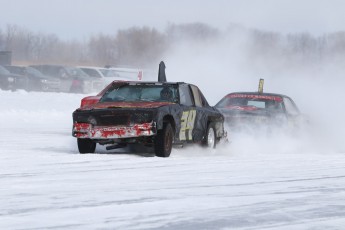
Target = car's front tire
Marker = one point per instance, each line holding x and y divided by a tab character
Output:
86	145
163	141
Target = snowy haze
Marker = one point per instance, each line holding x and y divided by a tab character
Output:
278	182
231	64
284	182
77	19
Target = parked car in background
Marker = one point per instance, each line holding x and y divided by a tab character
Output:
113	74
10	81
72	79
36	80
128	74
6	79
96	72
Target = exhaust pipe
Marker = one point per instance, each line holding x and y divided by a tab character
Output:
116	146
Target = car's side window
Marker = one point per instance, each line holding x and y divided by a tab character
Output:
290	107
197	96
62	73
185	95
203	100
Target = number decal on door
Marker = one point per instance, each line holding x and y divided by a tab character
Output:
187	125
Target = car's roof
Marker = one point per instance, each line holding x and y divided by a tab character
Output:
54	65
149	82
17	66
91	67
257	93
125	69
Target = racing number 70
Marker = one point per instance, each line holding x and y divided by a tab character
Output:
187	124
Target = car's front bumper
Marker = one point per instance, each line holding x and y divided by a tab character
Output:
86	130
92	86
50	86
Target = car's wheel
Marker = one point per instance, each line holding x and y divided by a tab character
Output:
163	141
44	88
3	86
210	140
86	145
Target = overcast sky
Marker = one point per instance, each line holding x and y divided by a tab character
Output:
77	19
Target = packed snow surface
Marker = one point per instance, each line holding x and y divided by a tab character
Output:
280	182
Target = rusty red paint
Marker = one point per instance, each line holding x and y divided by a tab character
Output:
81	130
106	105
80	127
244	108
255	96
143	127
87	101
104	133
84	130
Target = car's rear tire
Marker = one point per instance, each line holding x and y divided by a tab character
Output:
164	140
86	145
210	140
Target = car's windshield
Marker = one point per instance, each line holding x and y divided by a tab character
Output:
91	72
15	70
109	73
75	72
3	70
34	72
128	75
141	92
255	101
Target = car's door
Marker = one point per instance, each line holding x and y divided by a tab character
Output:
67	81
188	114
292	112
53	71
203	112
22	81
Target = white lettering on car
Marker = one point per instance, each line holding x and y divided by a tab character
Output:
187	124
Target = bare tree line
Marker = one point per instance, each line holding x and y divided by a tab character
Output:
142	46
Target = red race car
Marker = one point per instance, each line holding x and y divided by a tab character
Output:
245	111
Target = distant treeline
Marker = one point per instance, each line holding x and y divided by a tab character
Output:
143	46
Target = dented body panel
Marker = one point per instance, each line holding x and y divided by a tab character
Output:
85	130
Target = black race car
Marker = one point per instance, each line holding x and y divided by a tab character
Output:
36	80
250	111
7	80
157	114
10	81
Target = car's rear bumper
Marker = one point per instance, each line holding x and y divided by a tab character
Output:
86	130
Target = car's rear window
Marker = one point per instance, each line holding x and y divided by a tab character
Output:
249	100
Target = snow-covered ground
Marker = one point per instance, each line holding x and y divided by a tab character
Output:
277	183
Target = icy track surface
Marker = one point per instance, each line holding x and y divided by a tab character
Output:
265	184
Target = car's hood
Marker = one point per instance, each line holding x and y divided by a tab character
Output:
110	105
88	78
49	79
17	75
44	77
